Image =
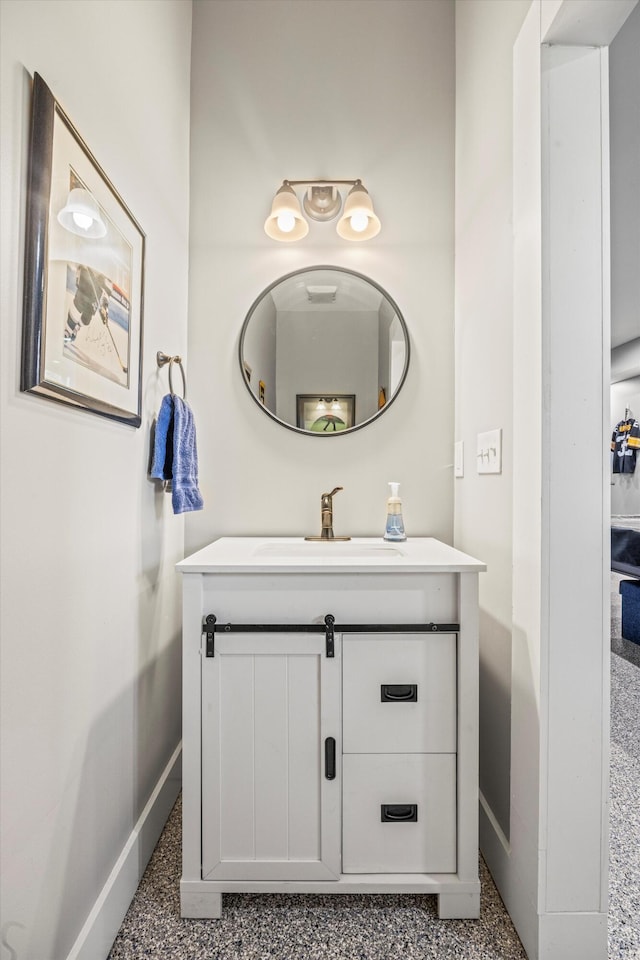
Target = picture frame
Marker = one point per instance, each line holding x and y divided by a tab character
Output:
325	414
83	277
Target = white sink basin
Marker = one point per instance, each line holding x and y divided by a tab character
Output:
335	549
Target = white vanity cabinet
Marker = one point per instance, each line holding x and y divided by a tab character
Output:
330	730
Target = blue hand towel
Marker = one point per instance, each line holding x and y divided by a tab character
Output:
185	494
162	465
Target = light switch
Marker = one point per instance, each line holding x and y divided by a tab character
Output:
489	455
458	459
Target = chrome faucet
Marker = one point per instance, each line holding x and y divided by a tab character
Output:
326	510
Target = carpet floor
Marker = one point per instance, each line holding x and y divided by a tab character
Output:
296	927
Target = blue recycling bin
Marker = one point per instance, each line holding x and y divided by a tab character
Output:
630	593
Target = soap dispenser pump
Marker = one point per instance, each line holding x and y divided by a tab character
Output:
395	524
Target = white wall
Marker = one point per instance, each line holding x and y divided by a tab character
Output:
386	317
90	602
551	868
333	89
260	350
624	83
485	34
575	608
625	360
308	361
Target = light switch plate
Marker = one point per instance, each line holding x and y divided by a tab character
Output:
489	455
458	458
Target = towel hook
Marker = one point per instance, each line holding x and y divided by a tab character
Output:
163	358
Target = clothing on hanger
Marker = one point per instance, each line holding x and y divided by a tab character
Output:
625	443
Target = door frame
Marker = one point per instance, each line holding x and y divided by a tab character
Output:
552	870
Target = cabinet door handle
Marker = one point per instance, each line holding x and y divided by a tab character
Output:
330	758
399	692
398	812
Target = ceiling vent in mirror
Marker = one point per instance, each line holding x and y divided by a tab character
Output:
318	294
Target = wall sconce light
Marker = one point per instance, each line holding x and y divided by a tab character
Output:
322	201
335	404
81	215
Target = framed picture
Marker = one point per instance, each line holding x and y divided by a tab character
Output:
84	275
325	414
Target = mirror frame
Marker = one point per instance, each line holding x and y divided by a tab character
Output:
311	269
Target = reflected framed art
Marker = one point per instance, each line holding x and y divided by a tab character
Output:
325	414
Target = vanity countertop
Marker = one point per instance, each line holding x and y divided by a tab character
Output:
358	555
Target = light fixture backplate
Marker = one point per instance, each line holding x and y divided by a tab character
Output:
322	201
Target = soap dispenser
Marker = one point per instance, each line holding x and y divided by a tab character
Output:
395	524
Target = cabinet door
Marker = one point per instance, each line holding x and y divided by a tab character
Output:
269	811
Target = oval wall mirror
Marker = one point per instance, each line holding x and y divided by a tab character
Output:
324	351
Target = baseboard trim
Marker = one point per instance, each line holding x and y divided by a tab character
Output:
547	936
101	927
485	808
573	936
517	892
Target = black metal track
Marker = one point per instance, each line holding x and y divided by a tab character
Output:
338	628
211	626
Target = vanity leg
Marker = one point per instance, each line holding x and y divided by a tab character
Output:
458	906
195	905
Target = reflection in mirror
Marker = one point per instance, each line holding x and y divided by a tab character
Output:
324	350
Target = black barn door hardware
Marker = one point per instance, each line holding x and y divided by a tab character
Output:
329	622
211	626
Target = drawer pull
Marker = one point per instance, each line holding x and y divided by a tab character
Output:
399	692
399	812
330	758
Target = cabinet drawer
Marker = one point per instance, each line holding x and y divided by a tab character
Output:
399	693
399	813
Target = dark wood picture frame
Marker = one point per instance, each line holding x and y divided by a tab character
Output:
74	284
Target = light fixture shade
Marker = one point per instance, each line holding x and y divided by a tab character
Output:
358	221
286	212
81	215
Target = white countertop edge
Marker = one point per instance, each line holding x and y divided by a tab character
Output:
418	555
